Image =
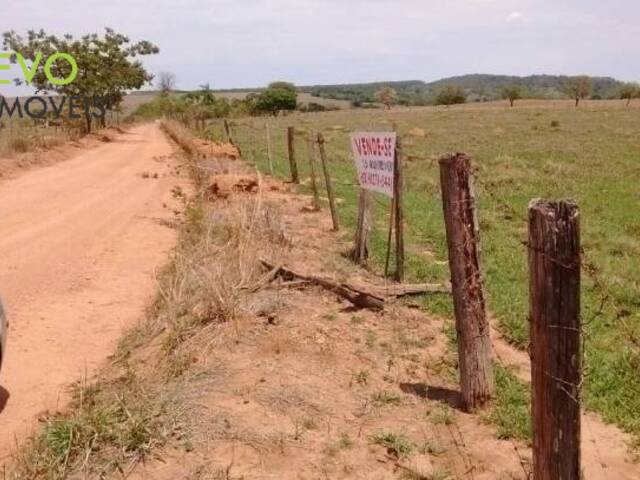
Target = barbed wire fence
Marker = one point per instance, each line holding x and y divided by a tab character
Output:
571	389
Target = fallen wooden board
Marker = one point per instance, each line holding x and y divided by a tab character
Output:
358	298
359	294
401	290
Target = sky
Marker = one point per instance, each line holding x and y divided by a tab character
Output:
249	43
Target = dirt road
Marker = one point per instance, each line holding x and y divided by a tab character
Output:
79	246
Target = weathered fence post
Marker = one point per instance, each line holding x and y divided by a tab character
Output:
554	315
399	214
363	228
474	342
227	131
291	142
312	170
327	180
392	218
269	154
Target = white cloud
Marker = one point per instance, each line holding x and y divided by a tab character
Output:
514	17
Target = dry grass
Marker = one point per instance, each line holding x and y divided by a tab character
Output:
28	140
178	134
235	376
120	418
215	272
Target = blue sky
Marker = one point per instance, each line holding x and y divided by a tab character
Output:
243	43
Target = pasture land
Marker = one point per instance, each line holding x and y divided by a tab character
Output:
537	149
135	99
303	98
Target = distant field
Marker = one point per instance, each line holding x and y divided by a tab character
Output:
302	98
131	102
537	149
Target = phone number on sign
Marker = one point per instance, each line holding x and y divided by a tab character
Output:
375	179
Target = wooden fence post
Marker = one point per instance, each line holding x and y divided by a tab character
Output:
312	170
363	228
327	180
269	154
399	214
554	315
291	137
227	131
474	342
392	218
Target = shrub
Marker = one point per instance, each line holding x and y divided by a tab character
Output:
451	95
20	144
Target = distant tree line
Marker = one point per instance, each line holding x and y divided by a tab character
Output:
278	97
476	88
196	107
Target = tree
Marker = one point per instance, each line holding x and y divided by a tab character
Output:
107	64
166	83
630	91
451	95
204	96
283	85
578	88
202	105
512	93
387	96
276	97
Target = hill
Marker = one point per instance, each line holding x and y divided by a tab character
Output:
478	87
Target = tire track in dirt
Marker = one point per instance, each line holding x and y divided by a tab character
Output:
79	247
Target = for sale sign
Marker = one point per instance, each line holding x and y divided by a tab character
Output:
374	154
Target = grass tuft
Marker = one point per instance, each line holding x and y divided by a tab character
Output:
397	444
510	412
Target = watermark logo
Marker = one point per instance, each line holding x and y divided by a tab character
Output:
40	107
29	73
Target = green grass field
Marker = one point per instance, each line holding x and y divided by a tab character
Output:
538	149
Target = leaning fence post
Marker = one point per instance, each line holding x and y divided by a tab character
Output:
227	131
474	342
312	173
554	315
327	180
291	137
363	228
269	154
399	214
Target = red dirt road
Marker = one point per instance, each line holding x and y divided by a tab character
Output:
79	246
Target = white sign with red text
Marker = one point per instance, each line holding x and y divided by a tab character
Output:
374	153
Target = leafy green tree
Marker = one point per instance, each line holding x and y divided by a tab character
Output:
283	85
578	88
107	64
277	97
387	96
512	93
451	95
630	91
